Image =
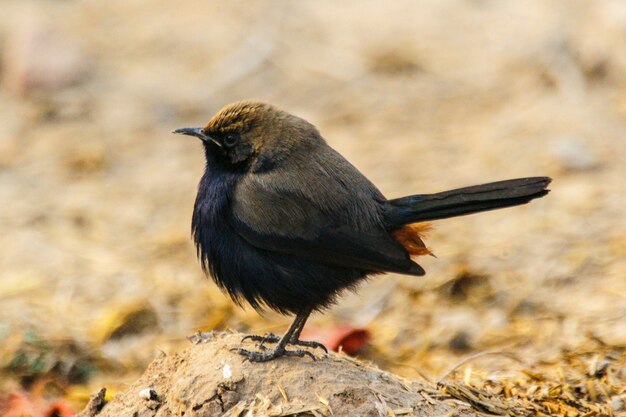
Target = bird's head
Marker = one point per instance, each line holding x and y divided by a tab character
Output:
253	135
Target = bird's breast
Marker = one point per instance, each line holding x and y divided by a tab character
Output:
209	221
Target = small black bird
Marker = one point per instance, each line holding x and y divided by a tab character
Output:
282	220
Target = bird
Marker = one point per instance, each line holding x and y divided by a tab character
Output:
282	221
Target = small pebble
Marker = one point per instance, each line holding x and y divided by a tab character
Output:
227	373
460	342
573	154
148	394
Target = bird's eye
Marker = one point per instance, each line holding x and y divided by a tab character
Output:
231	139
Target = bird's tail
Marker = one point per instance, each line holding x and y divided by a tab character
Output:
462	201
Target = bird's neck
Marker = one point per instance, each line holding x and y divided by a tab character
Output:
218	164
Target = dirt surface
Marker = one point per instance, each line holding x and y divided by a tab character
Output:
211	380
97	270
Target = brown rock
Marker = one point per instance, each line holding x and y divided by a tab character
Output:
209	379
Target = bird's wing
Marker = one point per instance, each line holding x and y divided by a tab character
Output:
286	220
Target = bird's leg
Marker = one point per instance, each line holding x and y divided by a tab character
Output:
280	349
295	337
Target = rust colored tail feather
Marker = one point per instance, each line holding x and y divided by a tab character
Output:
411	237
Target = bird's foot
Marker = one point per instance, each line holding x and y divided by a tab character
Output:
272	338
272	354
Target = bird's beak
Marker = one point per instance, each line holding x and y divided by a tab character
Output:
197	132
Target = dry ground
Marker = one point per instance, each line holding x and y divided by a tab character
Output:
209	379
96	265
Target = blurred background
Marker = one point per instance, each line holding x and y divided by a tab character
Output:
97	270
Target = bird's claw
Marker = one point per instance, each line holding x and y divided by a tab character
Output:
307	343
268	337
273	354
272	338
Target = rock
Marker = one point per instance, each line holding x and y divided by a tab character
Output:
573	154
95	404
209	379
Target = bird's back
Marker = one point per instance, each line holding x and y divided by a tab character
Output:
319	178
